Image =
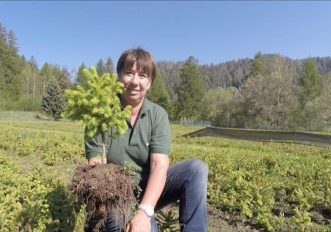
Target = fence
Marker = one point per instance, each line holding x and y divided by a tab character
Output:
193	122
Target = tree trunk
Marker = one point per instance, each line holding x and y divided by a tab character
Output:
27	84
34	87
44	86
104	159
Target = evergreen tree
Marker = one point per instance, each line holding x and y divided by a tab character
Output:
53	102
258	67
158	93
12	41
3	33
101	67
190	91
63	78
11	66
46	75
81	79
55	72
109	66
46	71
310	81
33	63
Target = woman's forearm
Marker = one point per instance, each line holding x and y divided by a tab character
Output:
156	181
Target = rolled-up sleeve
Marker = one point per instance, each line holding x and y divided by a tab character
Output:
93	147
160	136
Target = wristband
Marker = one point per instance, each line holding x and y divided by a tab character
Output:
147	209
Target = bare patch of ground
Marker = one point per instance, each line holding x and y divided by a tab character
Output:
218	221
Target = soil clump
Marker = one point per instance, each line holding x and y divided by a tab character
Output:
104	188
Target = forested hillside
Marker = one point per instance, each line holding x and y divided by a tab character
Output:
269	91
234	73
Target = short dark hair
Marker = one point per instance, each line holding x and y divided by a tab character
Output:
142	58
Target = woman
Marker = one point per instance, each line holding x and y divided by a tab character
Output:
146	145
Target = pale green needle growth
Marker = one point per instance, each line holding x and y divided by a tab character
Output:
98	106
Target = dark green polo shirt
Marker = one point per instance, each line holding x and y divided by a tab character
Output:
150	135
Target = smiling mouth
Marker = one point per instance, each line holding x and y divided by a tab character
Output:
133	91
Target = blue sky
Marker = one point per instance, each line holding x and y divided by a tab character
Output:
69	33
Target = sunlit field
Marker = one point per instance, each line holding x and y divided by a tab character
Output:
252	185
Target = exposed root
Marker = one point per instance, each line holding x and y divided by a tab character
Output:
104	188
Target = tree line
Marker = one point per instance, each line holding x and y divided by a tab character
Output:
269	91
23	86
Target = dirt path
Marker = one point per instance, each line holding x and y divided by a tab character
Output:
218	221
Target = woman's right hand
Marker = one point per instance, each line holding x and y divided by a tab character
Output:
94	161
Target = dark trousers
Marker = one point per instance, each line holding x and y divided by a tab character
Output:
186	182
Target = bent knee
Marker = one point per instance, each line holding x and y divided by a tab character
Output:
199	168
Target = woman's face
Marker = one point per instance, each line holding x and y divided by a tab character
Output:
136	85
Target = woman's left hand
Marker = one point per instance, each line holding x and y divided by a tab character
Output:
158	174
139	223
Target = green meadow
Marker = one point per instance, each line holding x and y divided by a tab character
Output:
252	186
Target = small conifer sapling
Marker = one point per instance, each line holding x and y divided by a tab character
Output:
98	106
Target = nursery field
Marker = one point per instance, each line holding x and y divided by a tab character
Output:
253	186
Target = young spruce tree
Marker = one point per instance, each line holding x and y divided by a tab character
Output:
98	106
191	90
53	101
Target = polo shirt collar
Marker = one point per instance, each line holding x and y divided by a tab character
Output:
145	107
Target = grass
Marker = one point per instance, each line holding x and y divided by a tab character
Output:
22	115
